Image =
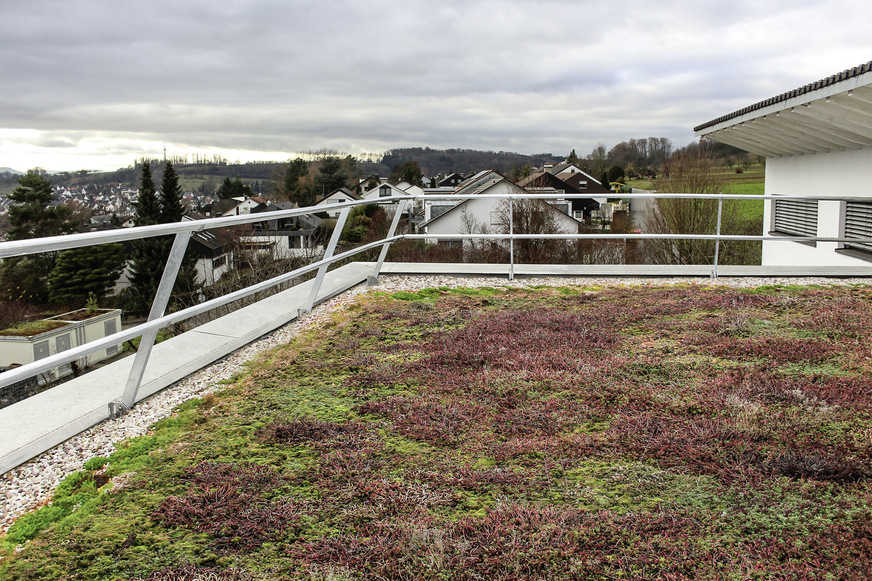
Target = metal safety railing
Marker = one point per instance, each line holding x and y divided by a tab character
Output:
183	231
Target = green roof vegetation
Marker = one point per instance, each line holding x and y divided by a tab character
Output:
651	432
32	328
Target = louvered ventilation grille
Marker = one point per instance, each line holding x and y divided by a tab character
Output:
858	223
797	217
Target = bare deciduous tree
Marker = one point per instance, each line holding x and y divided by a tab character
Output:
532	217
696	172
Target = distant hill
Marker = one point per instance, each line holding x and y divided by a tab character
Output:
463	161
9	170
431	162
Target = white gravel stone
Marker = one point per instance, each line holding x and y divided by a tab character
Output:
31	485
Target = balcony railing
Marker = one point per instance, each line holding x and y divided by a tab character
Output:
158	318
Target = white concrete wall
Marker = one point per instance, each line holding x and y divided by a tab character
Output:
16	350
845	173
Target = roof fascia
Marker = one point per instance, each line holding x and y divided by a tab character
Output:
805	99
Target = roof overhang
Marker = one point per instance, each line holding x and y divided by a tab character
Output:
834	114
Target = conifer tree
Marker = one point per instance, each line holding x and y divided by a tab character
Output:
234	189
293	190
147	205
573	157
172	210
148	255
32	215
171	207
331	176
82	272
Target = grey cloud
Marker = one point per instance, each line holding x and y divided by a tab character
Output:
506	74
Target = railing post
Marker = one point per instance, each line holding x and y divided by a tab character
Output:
718	240
373	278
158	308
328	253
511	239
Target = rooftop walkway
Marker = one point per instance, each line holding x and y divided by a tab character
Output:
39	423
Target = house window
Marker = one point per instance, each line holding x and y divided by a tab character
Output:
796	217
219	262
384	191
858	224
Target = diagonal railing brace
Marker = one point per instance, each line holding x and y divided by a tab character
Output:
373	278
158	308
328	253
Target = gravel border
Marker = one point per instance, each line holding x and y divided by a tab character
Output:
30	485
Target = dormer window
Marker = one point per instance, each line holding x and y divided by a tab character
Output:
384	191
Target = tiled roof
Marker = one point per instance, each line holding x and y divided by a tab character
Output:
831	80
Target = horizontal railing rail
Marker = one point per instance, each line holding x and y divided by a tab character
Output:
25	247
183	231
54	243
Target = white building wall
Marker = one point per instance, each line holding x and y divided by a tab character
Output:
453	222
16	350
482	211
21	349
207	274
844	173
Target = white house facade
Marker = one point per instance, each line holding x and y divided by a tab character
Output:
339	196
486	215
387	190
817	141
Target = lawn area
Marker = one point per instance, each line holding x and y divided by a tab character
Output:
749	182
621	432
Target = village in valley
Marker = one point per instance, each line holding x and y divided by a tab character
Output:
592	186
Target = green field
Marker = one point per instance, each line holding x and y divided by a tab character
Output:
750	182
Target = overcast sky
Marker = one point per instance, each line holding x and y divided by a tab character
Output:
96	84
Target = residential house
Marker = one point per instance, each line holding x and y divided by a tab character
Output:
241	206
451	180
214	251
57	334
579	208
562	169
584	183
434	208
338	196
817	141
485	215
388	190
284	237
